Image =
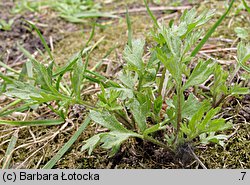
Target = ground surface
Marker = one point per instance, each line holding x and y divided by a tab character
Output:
36	145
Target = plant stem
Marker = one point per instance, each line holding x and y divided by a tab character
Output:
10	105
140	83
162	81
211	31
233	75
178	113
84	103
64	89
124	120
152	140
67	145
216	104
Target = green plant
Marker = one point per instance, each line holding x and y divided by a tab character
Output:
67	145
46	83
70	10
135	108
136	105
243	51
6	26
77	10
246	6
243	48
43	82
241	33
243	55
28	5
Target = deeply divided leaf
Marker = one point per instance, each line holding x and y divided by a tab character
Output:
107	120
200	74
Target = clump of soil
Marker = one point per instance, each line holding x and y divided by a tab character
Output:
51	26
133	154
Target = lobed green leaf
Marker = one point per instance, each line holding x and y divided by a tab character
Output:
200	74
107	120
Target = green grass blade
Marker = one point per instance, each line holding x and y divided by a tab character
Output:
26	72
10	105
71	62
72	19
105	56
18	109
86	63
67	67
44	76
42	39
77	77
129	29
91	79
96	44
40	68
91	36
33	122
244	66
100	79
96	74
92	48
9	68
67	145
58	82
151	14
6	78
211	31
246	6
10	149
26	53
